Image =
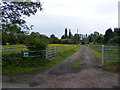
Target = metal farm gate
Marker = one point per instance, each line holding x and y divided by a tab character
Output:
110	54
23	51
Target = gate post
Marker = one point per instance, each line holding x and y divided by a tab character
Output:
46	51
103	54
56	50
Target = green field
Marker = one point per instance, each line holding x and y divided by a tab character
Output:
12	50
30	64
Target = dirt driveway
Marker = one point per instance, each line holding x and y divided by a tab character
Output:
87	75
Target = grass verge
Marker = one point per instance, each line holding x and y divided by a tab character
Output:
110	66
97	54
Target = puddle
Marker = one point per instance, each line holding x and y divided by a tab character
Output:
33	84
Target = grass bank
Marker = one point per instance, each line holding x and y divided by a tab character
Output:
64	50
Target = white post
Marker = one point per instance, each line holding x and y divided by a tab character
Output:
102	54
53	52
47	51
56	51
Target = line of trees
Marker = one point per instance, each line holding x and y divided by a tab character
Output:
111	37
66	36
69	38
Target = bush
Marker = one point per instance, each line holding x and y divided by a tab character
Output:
38	43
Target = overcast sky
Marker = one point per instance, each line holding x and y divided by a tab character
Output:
86	15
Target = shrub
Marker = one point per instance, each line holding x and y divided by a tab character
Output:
38	43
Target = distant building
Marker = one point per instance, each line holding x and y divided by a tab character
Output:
66	39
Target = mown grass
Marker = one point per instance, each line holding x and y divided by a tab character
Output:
64	50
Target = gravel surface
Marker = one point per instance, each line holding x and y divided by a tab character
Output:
87	75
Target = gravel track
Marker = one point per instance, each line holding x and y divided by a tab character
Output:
86	75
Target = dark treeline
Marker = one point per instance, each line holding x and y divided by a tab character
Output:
16	36
111	37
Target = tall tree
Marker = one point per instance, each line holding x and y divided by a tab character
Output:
70	34
66	33
86	36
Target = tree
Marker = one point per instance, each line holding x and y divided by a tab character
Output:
76	39
91	38
13	12
54	39
66	33
13	22
100	39
96	38
108	35
115	40
38	42
70	34
96	34
63	37
22	38
84	41
86	36
5	38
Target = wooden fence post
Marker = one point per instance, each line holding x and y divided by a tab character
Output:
47	51
103	54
